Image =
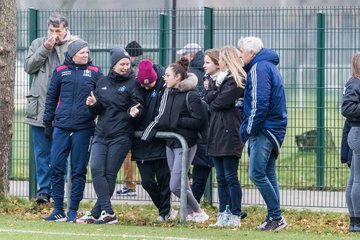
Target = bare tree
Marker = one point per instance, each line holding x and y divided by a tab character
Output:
7	80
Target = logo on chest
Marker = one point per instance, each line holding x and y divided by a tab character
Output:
65	73
87	73
121	89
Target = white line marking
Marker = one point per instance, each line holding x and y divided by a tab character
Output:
96	235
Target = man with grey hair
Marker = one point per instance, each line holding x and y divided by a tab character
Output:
264	123
44	55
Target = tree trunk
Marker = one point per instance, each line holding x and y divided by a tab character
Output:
7	80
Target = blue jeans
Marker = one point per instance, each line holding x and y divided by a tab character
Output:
42	147
229	189
353	187
78	145
262	172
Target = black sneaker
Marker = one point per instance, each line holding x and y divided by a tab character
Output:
106	218
243	214
126	192
43	198
274	224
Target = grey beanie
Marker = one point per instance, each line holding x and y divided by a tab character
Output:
76	46
116	54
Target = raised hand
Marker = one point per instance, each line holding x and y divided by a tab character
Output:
50	42
91	100
134	111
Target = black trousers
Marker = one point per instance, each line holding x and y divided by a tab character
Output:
200	175
155	179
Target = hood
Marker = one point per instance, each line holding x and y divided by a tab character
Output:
198	60
189	83
265	54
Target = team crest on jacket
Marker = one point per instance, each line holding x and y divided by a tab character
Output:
122	89
87	73
154	93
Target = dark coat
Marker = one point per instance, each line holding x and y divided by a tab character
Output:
115	95
350	107
155	149
225	119
346	152
174	115
196	67
65	102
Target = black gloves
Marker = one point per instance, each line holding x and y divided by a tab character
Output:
48	132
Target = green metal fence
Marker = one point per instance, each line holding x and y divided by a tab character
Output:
315	48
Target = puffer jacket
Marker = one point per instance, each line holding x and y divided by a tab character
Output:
174	115
115	95
70	85
264	100
37	63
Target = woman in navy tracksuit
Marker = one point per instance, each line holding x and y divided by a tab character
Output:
66	111
118	102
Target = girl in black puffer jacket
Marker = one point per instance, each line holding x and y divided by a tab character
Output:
174	116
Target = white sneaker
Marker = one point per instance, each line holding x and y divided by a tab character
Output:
190	217
200	217
171	215
221	220
234	221
160	219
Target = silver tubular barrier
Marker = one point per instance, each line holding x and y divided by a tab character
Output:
183	199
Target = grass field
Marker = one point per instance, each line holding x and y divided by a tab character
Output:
15	228
21	219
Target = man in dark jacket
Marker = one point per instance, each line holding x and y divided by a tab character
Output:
193	52
151	156
264	123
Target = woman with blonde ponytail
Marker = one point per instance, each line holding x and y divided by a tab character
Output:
224	143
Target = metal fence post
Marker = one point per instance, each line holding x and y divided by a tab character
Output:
184	171
208	44
33	34
320	99
163	42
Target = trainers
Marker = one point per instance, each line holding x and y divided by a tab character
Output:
126	192
261	225
243	214
160	219
190	217
87	218
274	225
234	221
221	220
171	215
56	216
43	198
71	216
200	217
106	218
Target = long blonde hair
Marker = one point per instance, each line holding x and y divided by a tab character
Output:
356	65
231	56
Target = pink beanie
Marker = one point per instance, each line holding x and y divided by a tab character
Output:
146	73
